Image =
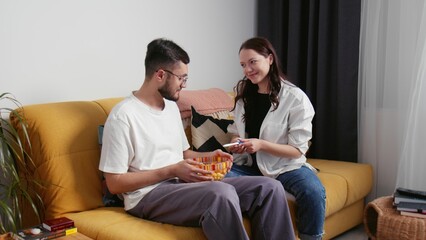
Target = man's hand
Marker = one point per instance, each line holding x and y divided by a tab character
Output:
187	171
221	153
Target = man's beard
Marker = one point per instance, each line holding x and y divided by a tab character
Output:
167	93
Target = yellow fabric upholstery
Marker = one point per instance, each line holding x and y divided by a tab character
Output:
345	182
117	223
66	155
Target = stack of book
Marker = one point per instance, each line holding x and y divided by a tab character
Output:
410	202
49	229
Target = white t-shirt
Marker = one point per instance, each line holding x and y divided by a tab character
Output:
137	138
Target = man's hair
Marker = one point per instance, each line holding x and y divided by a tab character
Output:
163	53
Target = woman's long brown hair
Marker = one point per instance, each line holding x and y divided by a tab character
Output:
246	90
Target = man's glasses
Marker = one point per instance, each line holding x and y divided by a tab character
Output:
182	78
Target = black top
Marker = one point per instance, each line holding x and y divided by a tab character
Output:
259	110
260	106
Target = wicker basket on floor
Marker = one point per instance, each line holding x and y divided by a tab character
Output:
383	221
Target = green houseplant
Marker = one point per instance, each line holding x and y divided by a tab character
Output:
17	179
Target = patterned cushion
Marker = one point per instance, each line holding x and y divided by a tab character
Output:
209	133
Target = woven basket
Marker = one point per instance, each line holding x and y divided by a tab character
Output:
383	221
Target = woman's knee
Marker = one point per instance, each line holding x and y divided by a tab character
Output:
315	193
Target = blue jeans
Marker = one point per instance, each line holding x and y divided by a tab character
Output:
310	196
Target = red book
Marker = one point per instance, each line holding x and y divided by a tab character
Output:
58	224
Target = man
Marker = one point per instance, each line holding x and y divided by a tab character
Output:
146	158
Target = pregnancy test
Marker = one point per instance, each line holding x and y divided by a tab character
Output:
232	144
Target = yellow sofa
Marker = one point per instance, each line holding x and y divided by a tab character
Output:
66	154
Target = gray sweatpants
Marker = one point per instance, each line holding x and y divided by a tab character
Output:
218	207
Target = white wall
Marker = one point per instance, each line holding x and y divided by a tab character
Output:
64	50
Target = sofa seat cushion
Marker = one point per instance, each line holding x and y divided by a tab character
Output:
345	182
336	192
111	223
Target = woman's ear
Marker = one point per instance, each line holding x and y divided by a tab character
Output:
270	59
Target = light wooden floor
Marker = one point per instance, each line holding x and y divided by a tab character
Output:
356	233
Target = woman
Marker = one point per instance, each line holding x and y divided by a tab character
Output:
273	123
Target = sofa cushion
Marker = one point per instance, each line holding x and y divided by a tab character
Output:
108	103
206	101
65	153
345	183
209	133
114	223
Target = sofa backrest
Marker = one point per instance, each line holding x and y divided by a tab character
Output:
65	152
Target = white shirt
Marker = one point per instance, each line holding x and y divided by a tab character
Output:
137	138
290	123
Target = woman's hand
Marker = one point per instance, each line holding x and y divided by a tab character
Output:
250	145
236	148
